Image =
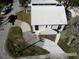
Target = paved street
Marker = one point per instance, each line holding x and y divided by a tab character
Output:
4	29
3	37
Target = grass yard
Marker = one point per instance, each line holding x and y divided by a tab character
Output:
63	42
26	17
23	16
1	6
74	57
15	45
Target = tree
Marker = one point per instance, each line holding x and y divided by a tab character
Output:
71	34
6	1
24	4
12	19
68	3
75	42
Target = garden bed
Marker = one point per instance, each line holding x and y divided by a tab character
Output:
50	37
17	47
23	16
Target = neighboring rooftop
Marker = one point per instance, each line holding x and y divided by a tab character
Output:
48	15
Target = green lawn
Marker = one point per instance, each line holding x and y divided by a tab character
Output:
63	42
26	17
67	48
15	45
74	57
23	16
1	7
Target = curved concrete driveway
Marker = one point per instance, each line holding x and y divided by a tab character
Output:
55	51
25	27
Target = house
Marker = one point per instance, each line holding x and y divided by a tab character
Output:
47	18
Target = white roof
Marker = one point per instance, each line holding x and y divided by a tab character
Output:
48	15
44	1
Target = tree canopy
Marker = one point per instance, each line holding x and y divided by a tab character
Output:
6	1
72	34
68	3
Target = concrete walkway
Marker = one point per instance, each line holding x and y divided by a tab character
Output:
23	25
57	38
55	51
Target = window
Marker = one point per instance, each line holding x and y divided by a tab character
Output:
59	27
36	27
49	26
46	26
54	26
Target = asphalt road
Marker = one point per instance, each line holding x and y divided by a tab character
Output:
4	29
